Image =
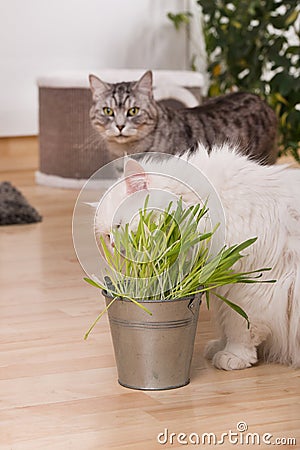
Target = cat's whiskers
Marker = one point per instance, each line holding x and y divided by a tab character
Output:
91	140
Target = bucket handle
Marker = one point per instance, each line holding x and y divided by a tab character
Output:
193	303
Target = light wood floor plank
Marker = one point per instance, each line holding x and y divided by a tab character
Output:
60	392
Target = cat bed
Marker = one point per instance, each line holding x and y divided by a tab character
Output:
70	149
14	208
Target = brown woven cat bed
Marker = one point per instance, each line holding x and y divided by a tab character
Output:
70	149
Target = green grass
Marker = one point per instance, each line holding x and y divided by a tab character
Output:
167	257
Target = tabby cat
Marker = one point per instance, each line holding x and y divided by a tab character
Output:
131	121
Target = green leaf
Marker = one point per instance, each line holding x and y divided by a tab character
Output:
179	19
240	247
235	307
281	82
98	318
293	50
280	98
291	18
236	24
93	283
277	21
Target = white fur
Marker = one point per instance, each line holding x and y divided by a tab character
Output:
262	201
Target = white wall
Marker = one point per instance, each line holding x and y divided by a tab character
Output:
41	36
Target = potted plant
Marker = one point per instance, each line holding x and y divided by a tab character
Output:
253	46
157	273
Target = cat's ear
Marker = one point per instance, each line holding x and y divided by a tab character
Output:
98	87
145	83
136	178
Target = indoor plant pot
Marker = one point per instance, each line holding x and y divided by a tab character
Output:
155	351
162	266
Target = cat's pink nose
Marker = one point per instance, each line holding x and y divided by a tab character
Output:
120	127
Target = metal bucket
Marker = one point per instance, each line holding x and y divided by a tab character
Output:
154	352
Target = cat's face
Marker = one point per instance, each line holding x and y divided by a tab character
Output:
116	208
123	112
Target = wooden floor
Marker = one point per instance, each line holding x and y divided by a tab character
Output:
60	392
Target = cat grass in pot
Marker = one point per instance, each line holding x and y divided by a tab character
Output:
131	121
158	268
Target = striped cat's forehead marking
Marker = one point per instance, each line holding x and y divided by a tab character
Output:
120	101
121	88
121	94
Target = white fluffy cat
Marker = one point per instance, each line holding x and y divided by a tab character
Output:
262	201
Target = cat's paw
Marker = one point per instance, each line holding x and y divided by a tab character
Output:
229	361
213	347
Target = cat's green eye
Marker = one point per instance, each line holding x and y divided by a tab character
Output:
108	111
133	111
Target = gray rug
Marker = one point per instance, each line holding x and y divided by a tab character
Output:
14	208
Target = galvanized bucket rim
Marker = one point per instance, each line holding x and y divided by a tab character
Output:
189	297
